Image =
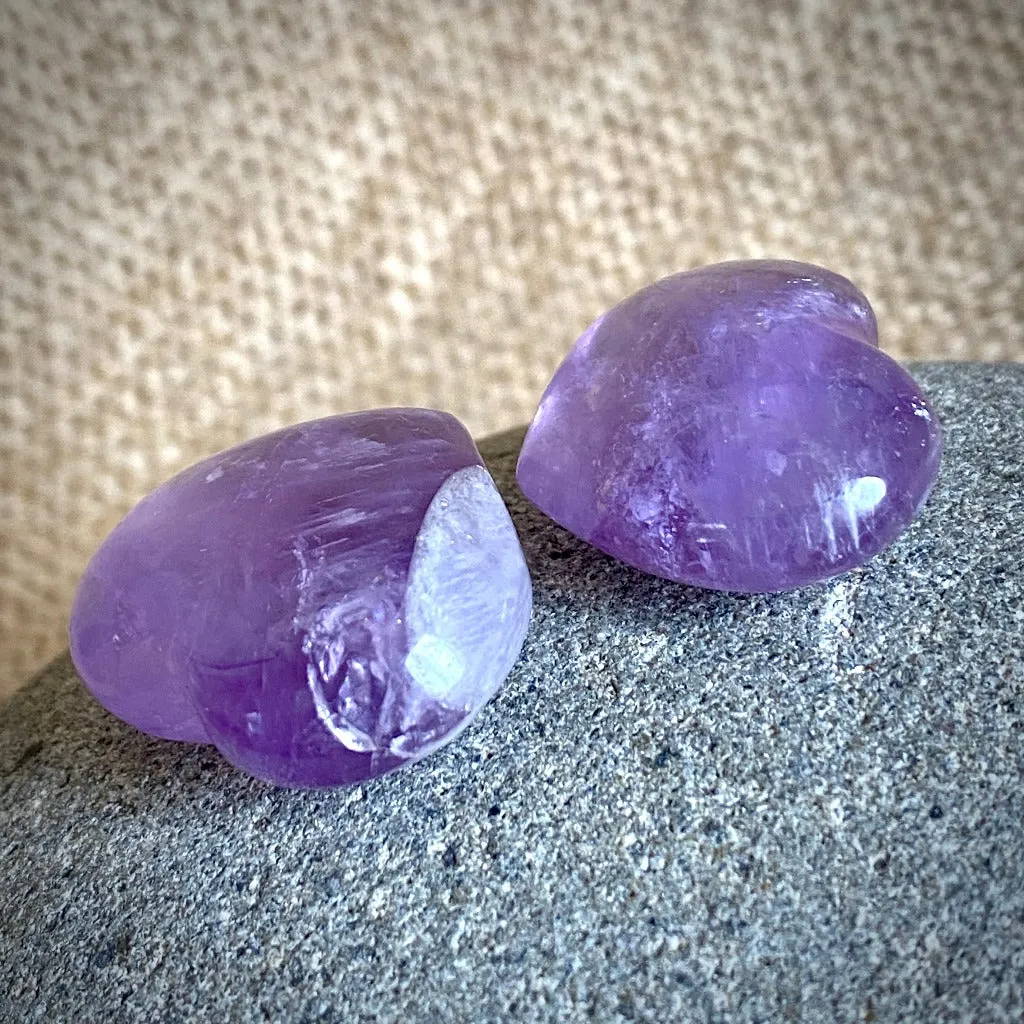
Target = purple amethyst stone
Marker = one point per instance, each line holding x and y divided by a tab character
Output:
325	604
734	427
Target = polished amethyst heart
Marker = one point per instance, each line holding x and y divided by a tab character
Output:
325	604
734	427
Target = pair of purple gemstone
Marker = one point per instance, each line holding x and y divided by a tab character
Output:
339	598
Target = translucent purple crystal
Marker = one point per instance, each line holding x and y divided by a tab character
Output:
734	427
325	603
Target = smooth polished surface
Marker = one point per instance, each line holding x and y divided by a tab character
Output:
325	603
682	806
734	427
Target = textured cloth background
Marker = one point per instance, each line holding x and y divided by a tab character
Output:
219	217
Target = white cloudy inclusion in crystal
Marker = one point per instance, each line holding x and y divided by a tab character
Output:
468	597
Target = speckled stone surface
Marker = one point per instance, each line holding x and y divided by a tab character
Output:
684	806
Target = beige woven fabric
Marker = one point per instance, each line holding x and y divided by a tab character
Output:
218	217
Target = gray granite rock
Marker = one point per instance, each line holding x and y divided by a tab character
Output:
684	806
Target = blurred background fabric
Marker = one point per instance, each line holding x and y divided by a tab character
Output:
220	217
